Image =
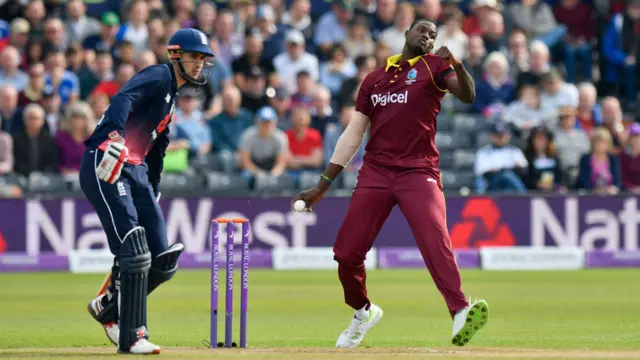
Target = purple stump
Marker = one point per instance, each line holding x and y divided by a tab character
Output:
228	323
245	284
215	227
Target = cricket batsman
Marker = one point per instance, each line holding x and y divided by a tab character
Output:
120	175
400	101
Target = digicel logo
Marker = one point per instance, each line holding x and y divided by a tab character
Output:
480	226
390	98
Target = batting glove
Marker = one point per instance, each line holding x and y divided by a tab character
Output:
115	155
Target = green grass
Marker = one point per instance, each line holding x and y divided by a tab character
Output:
583	310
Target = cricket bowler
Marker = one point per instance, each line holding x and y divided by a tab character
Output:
120	175
400	101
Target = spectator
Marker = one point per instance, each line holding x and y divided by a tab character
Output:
227	128
476	56
206	18
254	95
34	150
63	81
75	60
9	112
75	128
32	93
359	41
322	112
111	87
190	125
294	60
52	105
496	90
156	28
252	57
6	152
54	35
589	111
146	59
230	45
527	112
366	8
394	36
18	35
544	172
571	142
480	9
332	27
383	17
273	39
556	92
159	48
364	66
305	143
298	18
612	120
619	47
332	134
263	147
10	72
101	72
382	53
493	32
339	68
580	20
599	169
306	86
497	164
33	54
517	53
107	38
538	64
450	34
280	101
126	53
78	25
135	29
429	10
536	18
99	103
35	12
629	161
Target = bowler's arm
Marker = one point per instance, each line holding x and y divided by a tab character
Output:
462	85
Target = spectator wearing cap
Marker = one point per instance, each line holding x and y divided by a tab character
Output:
18	35
78	123
54	35
571	142
630	161
332	135
9	111
556	92
6	152
33	92
544	172
537	19
34	149
495	90
227	127
620	49
65	82
78	25
498	165
298	18
252	57
305	143
600	169
230	44
430	10
288	64
280	101
264	149
321	111
539	64
359	41
306	86
273	38
581	21
365	64
135	29
206	14
109	34
190	124
450	34
476	54
589	112
480	9
383	17
254	94
612	120
332	27
339	68
10	72
111	87
394	36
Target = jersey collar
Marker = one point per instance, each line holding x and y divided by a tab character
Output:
395	59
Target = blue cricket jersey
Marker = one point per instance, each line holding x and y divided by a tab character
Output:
139	113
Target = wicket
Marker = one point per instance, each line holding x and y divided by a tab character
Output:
228	338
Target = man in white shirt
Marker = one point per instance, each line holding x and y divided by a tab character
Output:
79	26
556	92
394	36
289	63
497	164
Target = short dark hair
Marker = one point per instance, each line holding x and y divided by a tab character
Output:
417	20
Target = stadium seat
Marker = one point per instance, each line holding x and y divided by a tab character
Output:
46	183
13	179
463	159
349	180
204	164
180	182
444	122
454	180
219	182
468	124
274	184
447	141
483	138
308	179
446	159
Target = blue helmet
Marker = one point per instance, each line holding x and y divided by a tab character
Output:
190	41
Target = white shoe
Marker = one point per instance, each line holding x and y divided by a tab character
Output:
143	347
354	334
468	321
111	329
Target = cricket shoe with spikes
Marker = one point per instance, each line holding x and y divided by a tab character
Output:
358	328
468	321
142	347
97	308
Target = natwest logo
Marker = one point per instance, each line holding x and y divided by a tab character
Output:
390	98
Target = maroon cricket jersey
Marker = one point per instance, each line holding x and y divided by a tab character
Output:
402	100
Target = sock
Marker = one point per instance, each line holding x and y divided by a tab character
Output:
362	314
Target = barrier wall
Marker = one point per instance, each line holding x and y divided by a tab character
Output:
40	234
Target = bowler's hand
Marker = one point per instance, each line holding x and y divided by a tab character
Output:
115	155
446	55
310	197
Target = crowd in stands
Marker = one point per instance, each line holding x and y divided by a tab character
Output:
556	83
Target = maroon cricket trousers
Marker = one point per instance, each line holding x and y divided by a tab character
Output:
418	194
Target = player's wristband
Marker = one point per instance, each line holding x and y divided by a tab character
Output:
326	178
